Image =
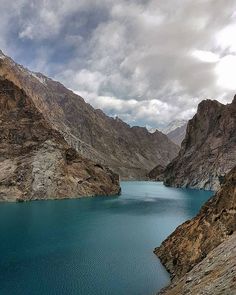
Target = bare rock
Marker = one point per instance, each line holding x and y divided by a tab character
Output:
35	160
157	173
208	151
214	275
192	241
128	151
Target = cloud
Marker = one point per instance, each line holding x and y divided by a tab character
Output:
147	61
226	72
206	56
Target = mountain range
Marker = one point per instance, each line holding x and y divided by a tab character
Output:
55	145
129	151
175	130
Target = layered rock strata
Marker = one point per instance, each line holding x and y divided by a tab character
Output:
129	151
35	160
208	151
192	242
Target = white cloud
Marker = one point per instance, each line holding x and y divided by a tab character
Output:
147	61
206	56
225	39
226	72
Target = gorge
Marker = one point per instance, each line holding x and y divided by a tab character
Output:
101	245
53	145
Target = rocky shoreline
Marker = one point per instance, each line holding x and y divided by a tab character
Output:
208	241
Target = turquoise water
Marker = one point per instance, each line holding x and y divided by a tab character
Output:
94	246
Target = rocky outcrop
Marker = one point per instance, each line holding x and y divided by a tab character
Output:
129	151
214	275
208	151
192	241
156	173
35	160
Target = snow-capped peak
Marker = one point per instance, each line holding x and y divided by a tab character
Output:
173	125
2	56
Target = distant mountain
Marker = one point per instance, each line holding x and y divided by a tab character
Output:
177	135
208	151
175	130
129	151
173	125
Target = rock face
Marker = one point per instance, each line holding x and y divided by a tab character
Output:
214	275
131	152
156	173
208	151
177	135
192	241
35	160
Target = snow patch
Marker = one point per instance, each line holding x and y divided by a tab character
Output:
173	125
2	56
40	79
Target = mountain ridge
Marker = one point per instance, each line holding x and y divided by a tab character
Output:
36	163
128	151
208	150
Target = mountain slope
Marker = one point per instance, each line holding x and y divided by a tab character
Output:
208	151
192	241
177	135
173	125
35	160
131	152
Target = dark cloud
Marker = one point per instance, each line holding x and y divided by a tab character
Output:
147	61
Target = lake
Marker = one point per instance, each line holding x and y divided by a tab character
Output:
92	246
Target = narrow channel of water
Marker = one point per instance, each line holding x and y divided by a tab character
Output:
92	246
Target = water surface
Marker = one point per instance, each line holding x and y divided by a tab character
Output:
92	246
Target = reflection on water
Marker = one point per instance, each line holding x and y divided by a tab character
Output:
94	245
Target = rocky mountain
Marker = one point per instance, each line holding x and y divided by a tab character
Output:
173	125
129	151
157	173
177	135
200	254
208	151
35	160
175	131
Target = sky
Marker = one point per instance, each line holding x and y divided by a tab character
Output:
147	62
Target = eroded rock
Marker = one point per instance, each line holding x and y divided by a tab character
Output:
208	151
192	241
35	160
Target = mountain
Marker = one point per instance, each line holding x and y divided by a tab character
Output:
128	151
208	151
173	125
175	131
35	160
200	254
177	135
156	173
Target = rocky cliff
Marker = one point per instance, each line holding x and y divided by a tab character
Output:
192	241
35	160
131	152
208	151
156	173
214	275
